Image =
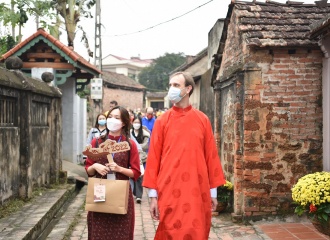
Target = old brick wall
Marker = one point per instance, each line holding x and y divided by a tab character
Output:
269	120
233	54
229	115
125	98
282	127
281	120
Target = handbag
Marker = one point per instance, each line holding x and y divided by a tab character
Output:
116	196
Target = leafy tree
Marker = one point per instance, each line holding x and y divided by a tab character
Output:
19	11
155	77
70	10
6	43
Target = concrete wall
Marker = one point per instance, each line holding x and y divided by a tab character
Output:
214	40
206	104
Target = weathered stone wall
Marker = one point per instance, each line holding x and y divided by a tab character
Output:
282	128
229	115
269	119
30	133
233	55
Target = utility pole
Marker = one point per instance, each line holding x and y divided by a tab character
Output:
98	106
98	49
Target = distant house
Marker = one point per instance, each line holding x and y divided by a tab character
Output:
126	91
156	100
197	66
272	119
200	66
41	53
128	67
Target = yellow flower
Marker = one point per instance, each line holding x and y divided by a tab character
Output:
313	189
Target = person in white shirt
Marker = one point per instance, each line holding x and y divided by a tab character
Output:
99	129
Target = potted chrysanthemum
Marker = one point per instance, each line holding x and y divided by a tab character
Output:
224	196
312	196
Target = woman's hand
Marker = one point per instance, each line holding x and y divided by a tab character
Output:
101	169
114	167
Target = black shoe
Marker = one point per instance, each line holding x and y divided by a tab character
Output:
138	200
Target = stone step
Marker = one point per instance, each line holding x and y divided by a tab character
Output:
31	220
63	223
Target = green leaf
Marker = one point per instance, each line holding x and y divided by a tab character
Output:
324	216
299	210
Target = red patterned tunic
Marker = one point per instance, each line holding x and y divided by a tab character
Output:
183	165
115	226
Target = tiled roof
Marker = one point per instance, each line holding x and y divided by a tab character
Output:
277	24
120	80
194	60
132	59
321	26
65	49
156	94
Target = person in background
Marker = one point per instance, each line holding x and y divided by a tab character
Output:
159	112
138	112
142	136
126	165
149	119
131	115
183	167
113	103
99	128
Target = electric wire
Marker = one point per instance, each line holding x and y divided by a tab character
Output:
170	20
139	31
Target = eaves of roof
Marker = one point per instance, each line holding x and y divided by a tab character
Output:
197	58
156	94
321	27
272	24
116	80
65	51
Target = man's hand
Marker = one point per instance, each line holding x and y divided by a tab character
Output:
154	212
214	203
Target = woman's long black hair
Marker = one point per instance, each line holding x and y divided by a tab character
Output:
138	138
124	116
96	125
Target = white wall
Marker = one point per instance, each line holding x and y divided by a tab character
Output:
325	45
74	122
81	121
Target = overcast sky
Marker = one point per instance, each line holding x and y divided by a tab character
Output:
150	28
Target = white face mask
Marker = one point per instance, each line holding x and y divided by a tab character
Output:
174	94
136	126
114	124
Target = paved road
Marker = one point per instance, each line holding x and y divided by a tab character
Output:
145	227
222	226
